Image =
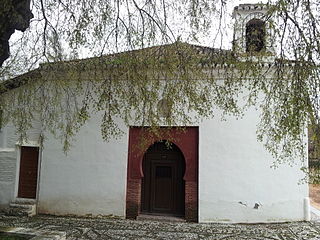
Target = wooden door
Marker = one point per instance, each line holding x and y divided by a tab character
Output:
28	173
163	185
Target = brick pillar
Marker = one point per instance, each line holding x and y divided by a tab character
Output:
191	201
133	198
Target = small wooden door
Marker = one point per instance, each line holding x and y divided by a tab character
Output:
28	174
163	185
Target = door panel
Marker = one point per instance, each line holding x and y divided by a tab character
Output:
162	189
28	174
163	185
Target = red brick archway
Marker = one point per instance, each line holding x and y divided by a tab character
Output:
139	141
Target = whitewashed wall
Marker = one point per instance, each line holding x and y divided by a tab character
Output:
7	174
235	175
90	179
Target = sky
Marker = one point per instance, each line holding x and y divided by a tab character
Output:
209	38
228	30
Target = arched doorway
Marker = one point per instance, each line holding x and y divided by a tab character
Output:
163	187
187	140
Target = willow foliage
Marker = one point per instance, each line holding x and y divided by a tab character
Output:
128	85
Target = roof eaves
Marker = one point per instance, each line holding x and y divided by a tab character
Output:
19	80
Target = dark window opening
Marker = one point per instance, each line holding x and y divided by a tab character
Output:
255	35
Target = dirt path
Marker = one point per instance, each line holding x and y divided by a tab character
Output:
314	194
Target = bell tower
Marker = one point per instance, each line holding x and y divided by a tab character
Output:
253	34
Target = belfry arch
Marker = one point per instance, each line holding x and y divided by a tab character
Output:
255	35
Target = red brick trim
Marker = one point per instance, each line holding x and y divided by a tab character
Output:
133	198
187	141
191	201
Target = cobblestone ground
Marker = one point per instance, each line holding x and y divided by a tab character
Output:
106	228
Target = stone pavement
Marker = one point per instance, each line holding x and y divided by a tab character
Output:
107	228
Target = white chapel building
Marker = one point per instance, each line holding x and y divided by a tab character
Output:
215	171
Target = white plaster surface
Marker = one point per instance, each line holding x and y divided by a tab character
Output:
7	165
235	175
90	179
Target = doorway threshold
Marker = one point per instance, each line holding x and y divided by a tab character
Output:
160	218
